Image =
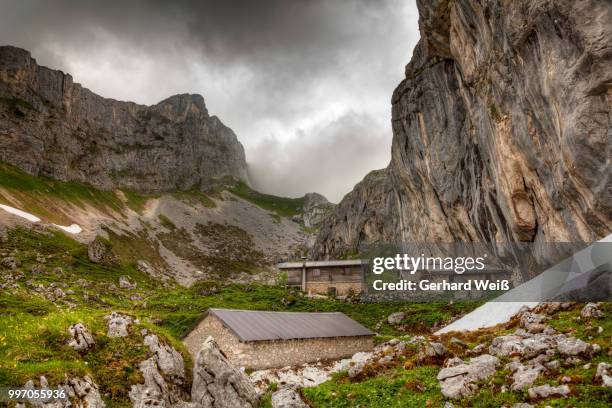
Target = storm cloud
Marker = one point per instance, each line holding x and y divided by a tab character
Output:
306	85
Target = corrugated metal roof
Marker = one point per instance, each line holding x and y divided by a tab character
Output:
321	264
251	325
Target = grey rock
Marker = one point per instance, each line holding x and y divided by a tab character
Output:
604	373
82	391
545	391
591	310
287	398
66	131
118	324
11	262
396	318
469	161
218	384
154	391
100	252
460	380
169	361
525	376
125	283
85	390
571	346
528	319
81	338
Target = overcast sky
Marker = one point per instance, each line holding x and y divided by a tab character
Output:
305	84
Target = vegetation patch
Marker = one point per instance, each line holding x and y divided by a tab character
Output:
282	206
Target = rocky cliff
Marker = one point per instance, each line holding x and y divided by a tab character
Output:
54	127
501	131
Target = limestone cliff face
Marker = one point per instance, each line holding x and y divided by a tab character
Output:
501	131
51	126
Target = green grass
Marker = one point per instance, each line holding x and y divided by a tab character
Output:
47	198
282	206
394	388
193	197
33	330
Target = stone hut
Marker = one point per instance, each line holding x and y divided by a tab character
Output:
324	276
256	339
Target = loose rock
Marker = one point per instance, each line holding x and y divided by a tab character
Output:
81	337
118	325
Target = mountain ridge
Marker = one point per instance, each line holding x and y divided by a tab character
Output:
55	127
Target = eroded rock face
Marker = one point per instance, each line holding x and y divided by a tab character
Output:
500	131
51	126
315	209
218	384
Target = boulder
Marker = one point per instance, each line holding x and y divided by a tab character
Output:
604	373
11	262
287	398
525	376
125	283
533	322
460	380
100	252
217	383
545	391
118	324
169	361
571	346
154	391
591	310
83	391
396	318
81	338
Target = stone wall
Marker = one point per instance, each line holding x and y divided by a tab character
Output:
266	354
342	288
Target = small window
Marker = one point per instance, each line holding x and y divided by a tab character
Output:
316	272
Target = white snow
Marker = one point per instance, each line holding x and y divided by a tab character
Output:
542	286
72	229
19	213
487	315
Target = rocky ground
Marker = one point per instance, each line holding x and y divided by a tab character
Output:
556	354
110	334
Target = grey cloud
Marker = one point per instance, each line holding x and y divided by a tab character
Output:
325	158
267	68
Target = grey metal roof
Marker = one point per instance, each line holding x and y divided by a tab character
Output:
251	325
321	264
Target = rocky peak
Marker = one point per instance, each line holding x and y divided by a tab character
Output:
183	105
51	126
500	131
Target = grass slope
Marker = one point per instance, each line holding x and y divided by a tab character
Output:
282	206
34	329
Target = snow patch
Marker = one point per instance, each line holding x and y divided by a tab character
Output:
19	213
501	309
72	229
